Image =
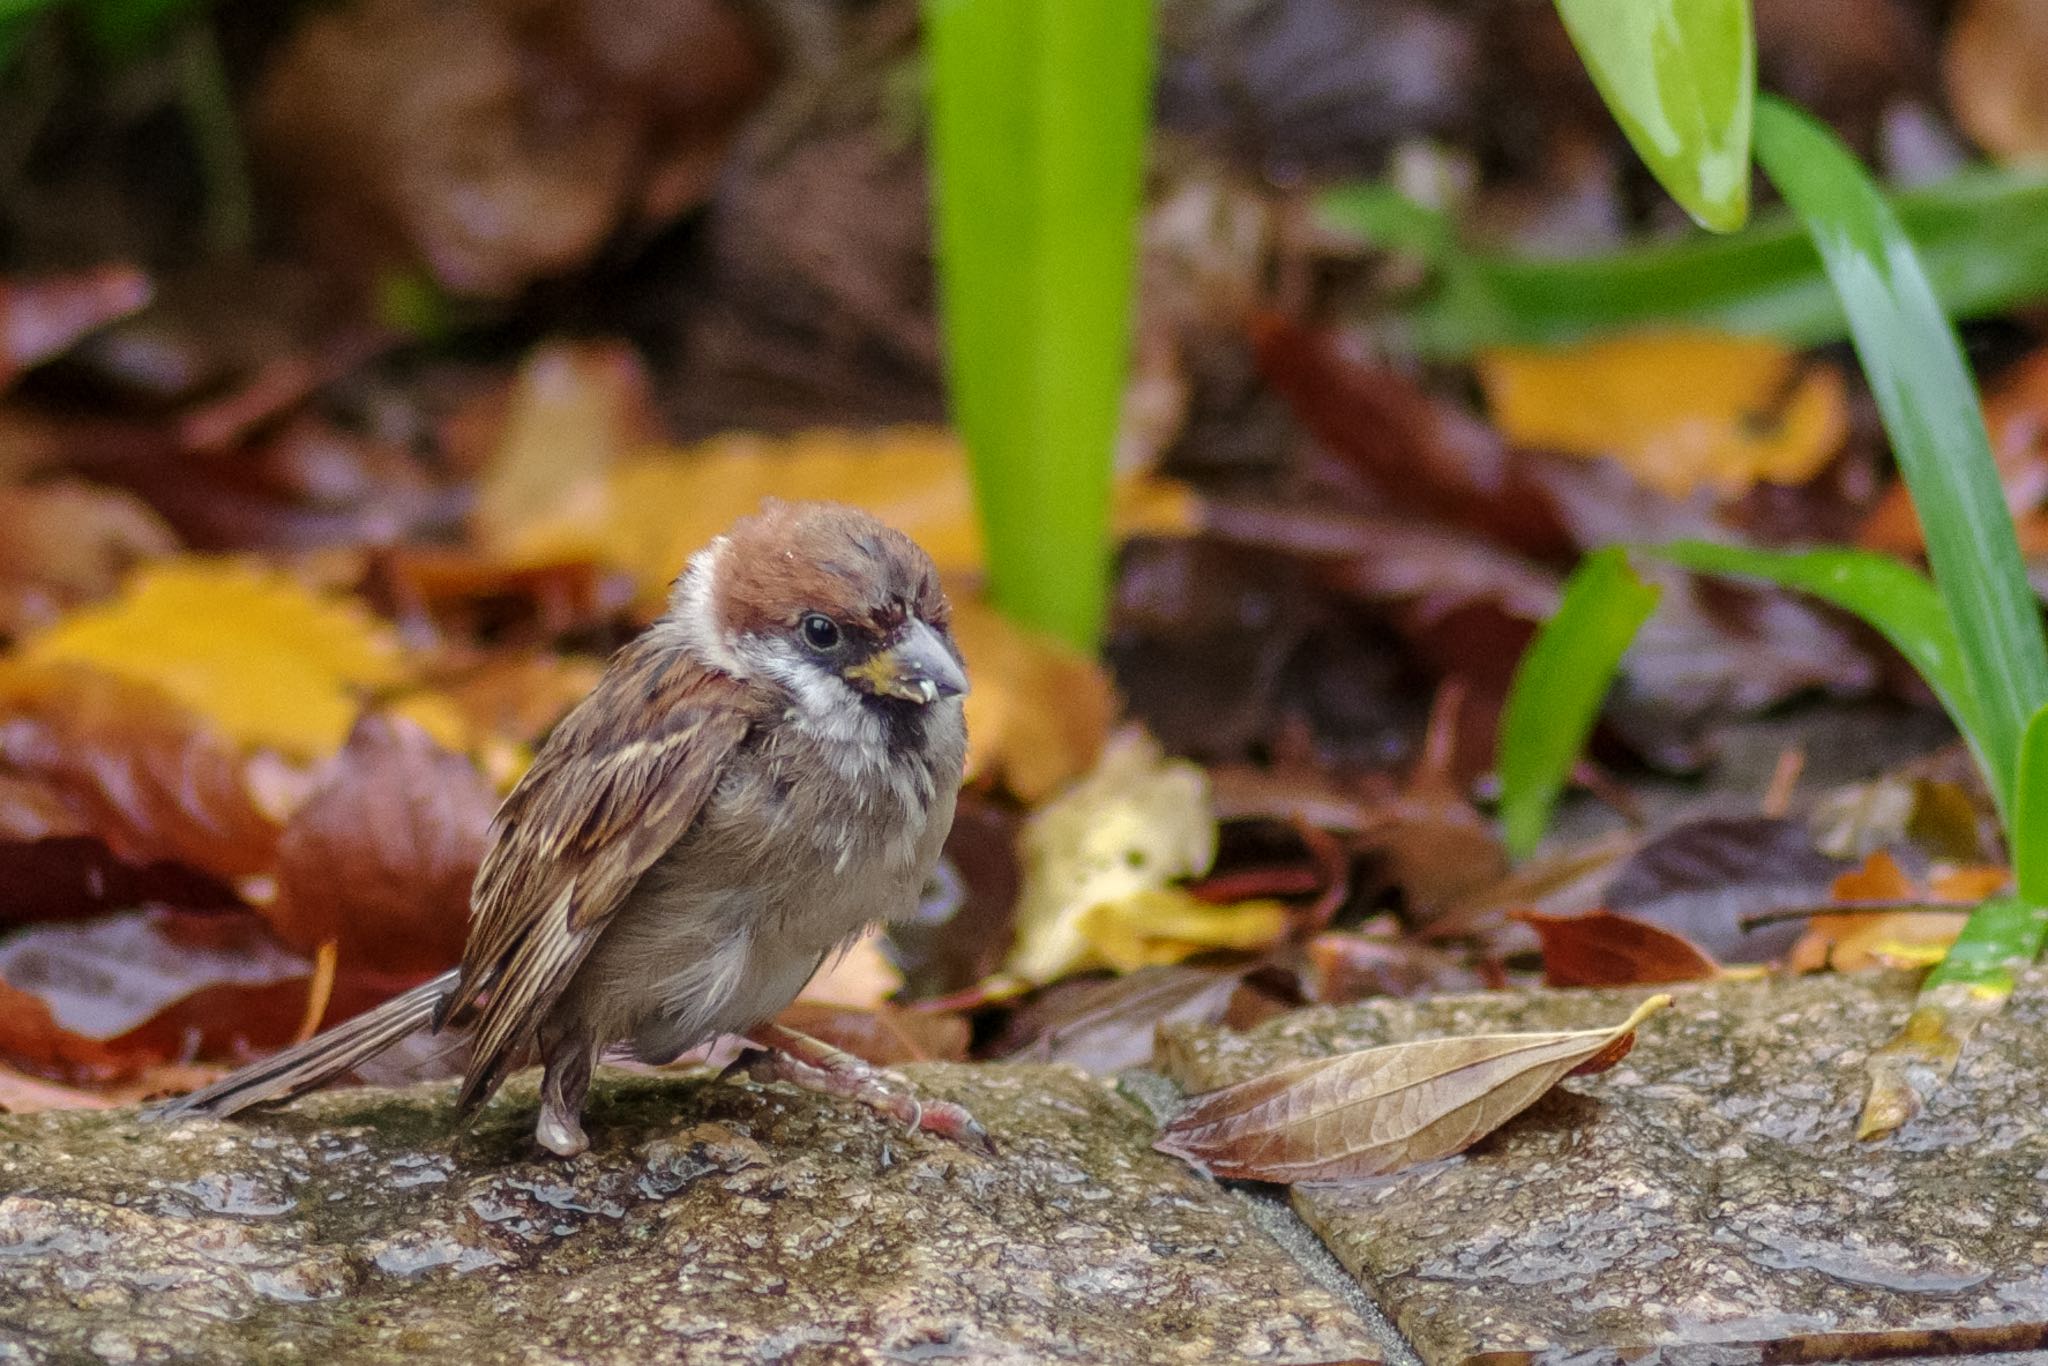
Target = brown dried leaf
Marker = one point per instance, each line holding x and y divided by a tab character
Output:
68	543
1374	1111
150	780
884	1035
1110	1025
40	319
380	857
1602	949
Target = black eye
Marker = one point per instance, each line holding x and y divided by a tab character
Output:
820	632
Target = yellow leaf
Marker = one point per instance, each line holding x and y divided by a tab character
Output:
573	413
1038	712
1135	824
1681	410
266	659
1164	925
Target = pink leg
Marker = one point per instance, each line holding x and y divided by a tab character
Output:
816	1065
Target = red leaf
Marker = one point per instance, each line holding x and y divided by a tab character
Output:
884	1035
1602	949
379	859
149	779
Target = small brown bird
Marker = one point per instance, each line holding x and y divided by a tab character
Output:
767	770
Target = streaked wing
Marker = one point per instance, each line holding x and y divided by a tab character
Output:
595	811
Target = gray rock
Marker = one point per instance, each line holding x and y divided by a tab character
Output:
1704	1201
710	1223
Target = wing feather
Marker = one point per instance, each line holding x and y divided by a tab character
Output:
599	806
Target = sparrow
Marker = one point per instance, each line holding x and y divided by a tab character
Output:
764	772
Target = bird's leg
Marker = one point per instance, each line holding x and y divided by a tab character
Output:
817	1066
566	1061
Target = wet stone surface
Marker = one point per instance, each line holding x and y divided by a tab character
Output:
711	1222
1705	1201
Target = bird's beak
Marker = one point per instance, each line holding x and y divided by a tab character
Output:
919	667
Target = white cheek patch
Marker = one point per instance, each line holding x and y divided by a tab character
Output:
826	704
690	620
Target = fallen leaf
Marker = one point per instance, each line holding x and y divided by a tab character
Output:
69	543
1039	711
1425	455
40	319
499	144
1991	72
1339	968
1374	1111
111	998
1105	1027
1703	879
576	408
1133	825
267	660
884	1035
1602	949
1161	925
1913	931
149	779
380	858
1681	410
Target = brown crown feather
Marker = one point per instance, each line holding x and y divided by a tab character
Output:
793	558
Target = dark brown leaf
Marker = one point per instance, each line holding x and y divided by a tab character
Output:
40	319
147	778
1352	967
106	999
1377	1110
1703	878
380	858
1109	1026
884	1035
1602	949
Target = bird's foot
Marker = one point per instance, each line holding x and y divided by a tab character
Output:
816	1065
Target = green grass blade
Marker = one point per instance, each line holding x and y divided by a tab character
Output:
1982	237
2027	836
1679	77
1040	110
1930	409
1891	597
1558	687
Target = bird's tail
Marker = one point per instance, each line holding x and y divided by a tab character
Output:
319	1059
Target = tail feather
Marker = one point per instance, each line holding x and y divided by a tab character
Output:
320	1059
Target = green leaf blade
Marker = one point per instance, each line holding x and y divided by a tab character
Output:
1558	686
1040	114
1929	404
1679	77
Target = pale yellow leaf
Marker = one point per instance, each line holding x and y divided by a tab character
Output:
270	662
1163	925
1380	1109
1138	822
1681	410
576	408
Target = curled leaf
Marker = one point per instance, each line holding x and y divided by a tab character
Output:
1167	924
1602	949
1376	1110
